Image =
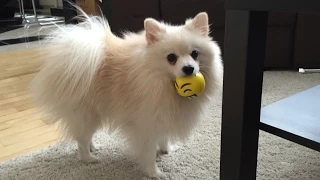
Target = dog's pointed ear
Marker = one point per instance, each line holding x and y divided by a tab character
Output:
200	23
153	30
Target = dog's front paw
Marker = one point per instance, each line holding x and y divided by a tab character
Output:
153	171
95	147
157	174
169	148
89	159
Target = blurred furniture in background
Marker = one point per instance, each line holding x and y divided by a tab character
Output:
27	14
295	118
291	42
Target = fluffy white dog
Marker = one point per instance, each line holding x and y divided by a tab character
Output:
92	78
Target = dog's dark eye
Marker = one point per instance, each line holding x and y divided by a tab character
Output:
172	58
194	54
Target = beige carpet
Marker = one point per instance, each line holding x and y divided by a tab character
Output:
197	159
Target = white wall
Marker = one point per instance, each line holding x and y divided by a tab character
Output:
49	2
54	3
60	3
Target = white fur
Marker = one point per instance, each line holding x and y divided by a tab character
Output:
92	79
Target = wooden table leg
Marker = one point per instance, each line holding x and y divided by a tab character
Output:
245	40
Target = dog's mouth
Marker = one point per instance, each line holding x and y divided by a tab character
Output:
192	96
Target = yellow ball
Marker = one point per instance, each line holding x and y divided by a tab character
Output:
190	86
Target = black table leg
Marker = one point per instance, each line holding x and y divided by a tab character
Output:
69	12
245	40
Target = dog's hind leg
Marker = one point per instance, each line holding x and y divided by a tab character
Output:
82	129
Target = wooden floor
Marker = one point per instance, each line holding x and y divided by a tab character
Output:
22	125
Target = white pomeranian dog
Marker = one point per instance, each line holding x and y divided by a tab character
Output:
93	79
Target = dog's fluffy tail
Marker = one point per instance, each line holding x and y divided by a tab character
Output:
72	59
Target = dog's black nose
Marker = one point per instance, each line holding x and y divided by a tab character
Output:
188	70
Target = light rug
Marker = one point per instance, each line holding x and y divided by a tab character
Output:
197	159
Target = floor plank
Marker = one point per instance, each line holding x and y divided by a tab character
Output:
15	94
23	127
14	99
22	121
16	104
8	111
36	141
26	135
28	150
19	114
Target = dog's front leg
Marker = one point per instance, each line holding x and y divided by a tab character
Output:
147	158
166	147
